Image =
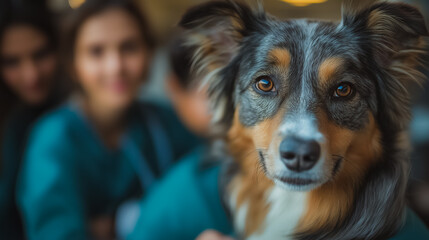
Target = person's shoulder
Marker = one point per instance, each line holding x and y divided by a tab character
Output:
414	228
188	165
58	117
48	149
54	124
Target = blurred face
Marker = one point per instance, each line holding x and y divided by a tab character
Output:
191	105
110	59
27	63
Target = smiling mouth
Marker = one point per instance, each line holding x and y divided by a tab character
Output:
297	181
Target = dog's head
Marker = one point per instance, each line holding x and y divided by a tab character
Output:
313	98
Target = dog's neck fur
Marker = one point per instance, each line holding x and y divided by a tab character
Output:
365	203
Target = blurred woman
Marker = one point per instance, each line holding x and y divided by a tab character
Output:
102	147
28	67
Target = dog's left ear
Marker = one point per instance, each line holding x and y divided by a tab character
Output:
393	34
215	31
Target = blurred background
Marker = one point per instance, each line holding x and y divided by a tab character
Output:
163	16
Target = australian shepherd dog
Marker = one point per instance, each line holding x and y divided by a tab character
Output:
314	115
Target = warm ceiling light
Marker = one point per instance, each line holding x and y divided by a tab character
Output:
75	3
303	3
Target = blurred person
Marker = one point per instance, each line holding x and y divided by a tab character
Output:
189	101
193	183
103	147
28	87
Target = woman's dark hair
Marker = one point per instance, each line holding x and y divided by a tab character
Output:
93	7
33	13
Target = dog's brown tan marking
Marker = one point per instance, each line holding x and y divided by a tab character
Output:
375	17
329	204
252	183
280	57
329	67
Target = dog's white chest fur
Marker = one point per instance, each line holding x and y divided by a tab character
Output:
286	209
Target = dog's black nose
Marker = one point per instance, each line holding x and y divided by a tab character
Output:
299	155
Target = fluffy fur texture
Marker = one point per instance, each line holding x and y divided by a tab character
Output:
356	189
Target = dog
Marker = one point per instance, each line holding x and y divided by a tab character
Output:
314	115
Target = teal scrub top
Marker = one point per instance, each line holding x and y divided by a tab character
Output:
187	202
183	204
68	176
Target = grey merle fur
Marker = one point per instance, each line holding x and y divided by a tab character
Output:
381	58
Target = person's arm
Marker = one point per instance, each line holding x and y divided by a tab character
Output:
182	204
165	212
48	192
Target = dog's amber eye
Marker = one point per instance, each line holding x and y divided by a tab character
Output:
343	90
265	84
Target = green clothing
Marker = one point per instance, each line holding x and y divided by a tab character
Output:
69	176
187	202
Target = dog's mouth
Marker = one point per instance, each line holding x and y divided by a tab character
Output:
297	181
307	182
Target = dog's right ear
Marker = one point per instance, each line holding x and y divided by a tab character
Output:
215	31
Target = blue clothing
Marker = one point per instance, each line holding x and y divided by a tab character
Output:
187	202
69	176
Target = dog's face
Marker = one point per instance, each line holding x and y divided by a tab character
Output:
310	95
305	97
